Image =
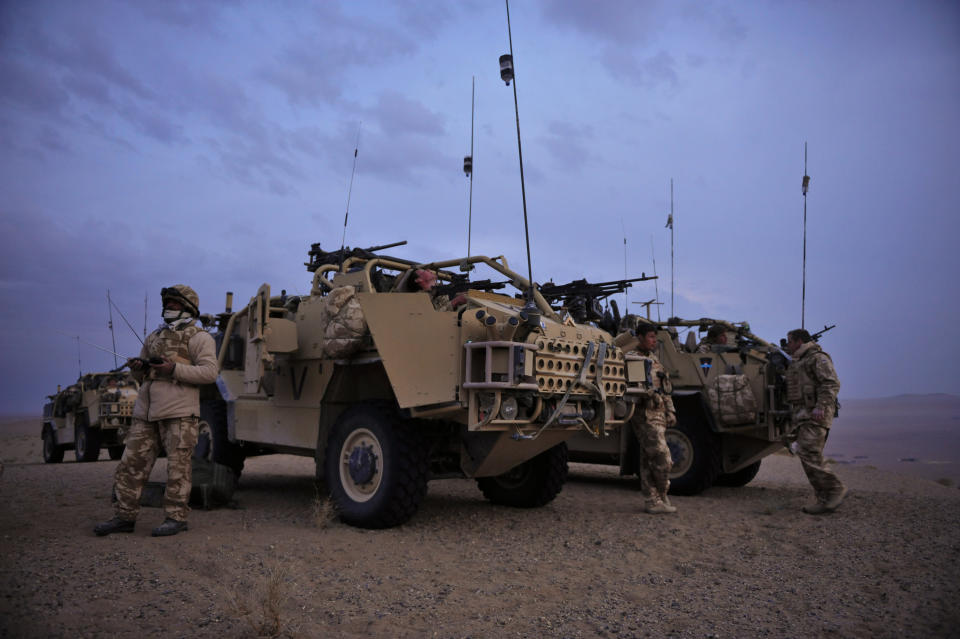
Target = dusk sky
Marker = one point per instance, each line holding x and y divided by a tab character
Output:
210	143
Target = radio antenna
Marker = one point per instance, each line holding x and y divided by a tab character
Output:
132	329
804	187
508	73
346	215
468	161
656	287
626	292
113	338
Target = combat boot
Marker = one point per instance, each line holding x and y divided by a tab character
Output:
817	508
113	526
834	502
660	508
169	527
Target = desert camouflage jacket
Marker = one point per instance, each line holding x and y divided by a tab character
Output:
812	383
194	353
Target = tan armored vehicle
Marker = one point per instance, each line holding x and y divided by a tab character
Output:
731	409
388	386
89	415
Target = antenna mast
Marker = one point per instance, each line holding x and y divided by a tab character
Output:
670	224
805	186
144	316
468	162
656	286
626	292
353	172
113	338
507	73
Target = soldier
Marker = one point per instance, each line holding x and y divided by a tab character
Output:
716	335
652	417
167	411
427	281
812	387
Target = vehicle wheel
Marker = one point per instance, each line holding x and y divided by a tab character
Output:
695	451
376	468
116	452
87	442
213	442
52	453
533	483
739	478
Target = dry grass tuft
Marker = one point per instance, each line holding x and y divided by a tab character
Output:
262	607
324	511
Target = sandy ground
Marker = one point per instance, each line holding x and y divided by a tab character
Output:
732	563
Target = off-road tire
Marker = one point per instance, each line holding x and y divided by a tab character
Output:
376	467
739	478
86	441
52	452
532	484
116	452
695	451
213	442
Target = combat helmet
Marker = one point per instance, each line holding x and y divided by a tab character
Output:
183	294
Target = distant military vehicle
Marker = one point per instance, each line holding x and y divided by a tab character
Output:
90	414
731	409
388	386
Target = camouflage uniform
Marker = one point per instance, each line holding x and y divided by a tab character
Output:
812	383
167	410
650	421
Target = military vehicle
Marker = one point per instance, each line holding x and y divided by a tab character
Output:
388	386
88	415
731	408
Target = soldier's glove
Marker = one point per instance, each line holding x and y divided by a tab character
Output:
671	419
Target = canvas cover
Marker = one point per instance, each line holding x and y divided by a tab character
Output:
732	400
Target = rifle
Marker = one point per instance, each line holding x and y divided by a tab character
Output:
582	299
319	257
461	284
816	336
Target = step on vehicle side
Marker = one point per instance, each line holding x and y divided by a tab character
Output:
91	414
387	390
731	408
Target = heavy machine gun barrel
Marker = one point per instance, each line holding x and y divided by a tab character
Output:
319	257
460	284
582	299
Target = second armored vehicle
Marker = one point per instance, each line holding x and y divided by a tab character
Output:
86	416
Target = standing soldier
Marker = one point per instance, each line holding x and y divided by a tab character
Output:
650	421
175	359
812	387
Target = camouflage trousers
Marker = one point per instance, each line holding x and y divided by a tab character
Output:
811	439
179	437
655	461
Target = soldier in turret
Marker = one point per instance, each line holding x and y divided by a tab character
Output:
652	417
716	336
812	387
175	360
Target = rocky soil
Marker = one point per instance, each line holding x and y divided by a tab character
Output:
732	563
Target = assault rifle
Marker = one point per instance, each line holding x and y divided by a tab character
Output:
319	257
582	299
461	284
816	336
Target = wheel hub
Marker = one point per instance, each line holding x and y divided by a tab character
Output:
362	464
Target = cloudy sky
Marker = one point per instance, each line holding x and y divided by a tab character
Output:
210	143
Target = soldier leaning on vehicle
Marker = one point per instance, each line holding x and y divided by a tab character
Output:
650	421
175	360
812	387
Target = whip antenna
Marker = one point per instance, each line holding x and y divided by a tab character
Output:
113	338
626	292
508	73
656	287
805	186
353	172
132	329
468	161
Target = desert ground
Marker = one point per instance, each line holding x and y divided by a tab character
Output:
734	562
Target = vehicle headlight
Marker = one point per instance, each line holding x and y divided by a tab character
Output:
508	408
